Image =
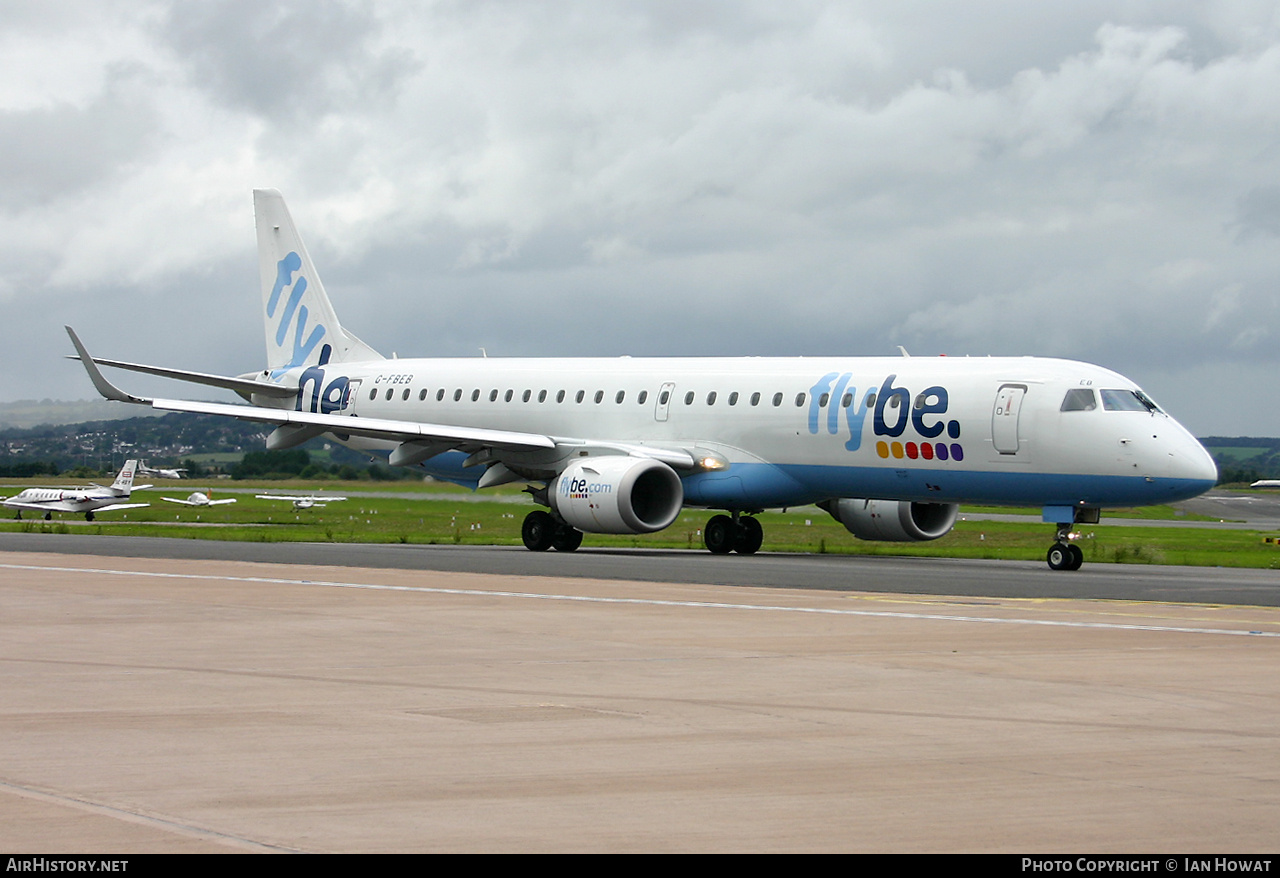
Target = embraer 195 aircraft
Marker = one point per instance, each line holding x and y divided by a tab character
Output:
888	446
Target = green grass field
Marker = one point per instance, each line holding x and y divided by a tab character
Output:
455	515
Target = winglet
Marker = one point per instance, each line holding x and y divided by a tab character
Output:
105	387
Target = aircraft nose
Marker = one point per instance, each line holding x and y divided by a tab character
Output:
1193	464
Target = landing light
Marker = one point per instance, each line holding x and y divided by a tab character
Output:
711	464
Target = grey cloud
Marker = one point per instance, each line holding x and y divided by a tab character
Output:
285	59
54	151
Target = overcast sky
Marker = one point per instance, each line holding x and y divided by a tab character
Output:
1092	180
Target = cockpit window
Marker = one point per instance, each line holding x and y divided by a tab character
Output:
1127	401
1080	399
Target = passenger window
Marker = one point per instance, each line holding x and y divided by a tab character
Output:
599	396
507	396
733	398
581	394
644	395
777	399
619	397
440	395
755	398
422	395
1080	399
475	395
688	398
373	394
800	400
405	395
493	395
846	401
542	396
560	396
525	396
389	392
457	395
711	398
664	397
823	400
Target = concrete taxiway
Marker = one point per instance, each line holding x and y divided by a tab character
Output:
183	704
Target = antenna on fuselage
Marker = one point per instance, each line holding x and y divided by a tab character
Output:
903	351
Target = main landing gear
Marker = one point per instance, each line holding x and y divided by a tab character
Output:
541	531
723	535
1064	555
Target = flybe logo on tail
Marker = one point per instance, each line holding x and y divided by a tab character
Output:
303	343
893	411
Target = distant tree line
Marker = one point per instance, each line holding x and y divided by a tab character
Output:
97	449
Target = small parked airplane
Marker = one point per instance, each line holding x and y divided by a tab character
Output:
314	501
86	500
888	446
198	498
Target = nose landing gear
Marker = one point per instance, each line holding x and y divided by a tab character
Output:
1064	555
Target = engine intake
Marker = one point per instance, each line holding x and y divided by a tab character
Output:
617	495
896	521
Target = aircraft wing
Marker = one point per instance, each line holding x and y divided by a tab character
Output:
239	385
467	438
417	440
47	506
115	506
375	428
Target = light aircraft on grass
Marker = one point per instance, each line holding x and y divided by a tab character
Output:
87	500
199	498
888	446
315	501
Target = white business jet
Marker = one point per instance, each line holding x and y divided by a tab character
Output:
888	446
87	500
199	498
314	501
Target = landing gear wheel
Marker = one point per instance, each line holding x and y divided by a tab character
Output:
566	539
750	536
88	516
538	531
1077	556
1063	556
719	535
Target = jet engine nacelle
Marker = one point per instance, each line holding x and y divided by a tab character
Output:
897	521
617	495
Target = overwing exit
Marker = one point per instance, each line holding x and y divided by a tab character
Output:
888	446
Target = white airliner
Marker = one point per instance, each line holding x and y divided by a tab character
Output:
198	498
888	446
158	473
314	501
86	500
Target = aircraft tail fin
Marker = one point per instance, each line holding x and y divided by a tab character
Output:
302	328
123	484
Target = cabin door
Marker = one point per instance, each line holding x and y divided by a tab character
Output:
663	407
1005	416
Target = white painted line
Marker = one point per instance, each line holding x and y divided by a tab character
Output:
713	605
